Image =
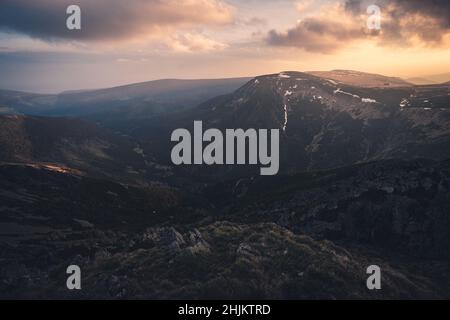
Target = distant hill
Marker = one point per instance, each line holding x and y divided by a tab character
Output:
134	100
431	79
361	79
440	78
421	81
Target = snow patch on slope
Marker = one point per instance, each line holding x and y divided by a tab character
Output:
346	93
404	103
285	117
332	81
368	100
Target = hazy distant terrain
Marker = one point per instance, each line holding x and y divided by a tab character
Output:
430	79
361	79
137	99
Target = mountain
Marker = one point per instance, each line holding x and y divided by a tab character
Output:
361	79
324	124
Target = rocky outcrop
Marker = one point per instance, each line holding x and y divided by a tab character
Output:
218	260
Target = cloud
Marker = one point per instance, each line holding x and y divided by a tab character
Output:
123	60
254	22
304	5
316	35
405	23
408	22
194	43
107	20
325	32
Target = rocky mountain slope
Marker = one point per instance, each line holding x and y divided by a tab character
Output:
70	143
324	124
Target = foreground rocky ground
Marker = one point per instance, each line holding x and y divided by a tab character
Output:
306	242
218	260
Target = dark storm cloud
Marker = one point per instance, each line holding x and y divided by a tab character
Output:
107	19
436	9
402	20
315	35
429	20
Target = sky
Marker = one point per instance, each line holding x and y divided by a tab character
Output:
122	42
